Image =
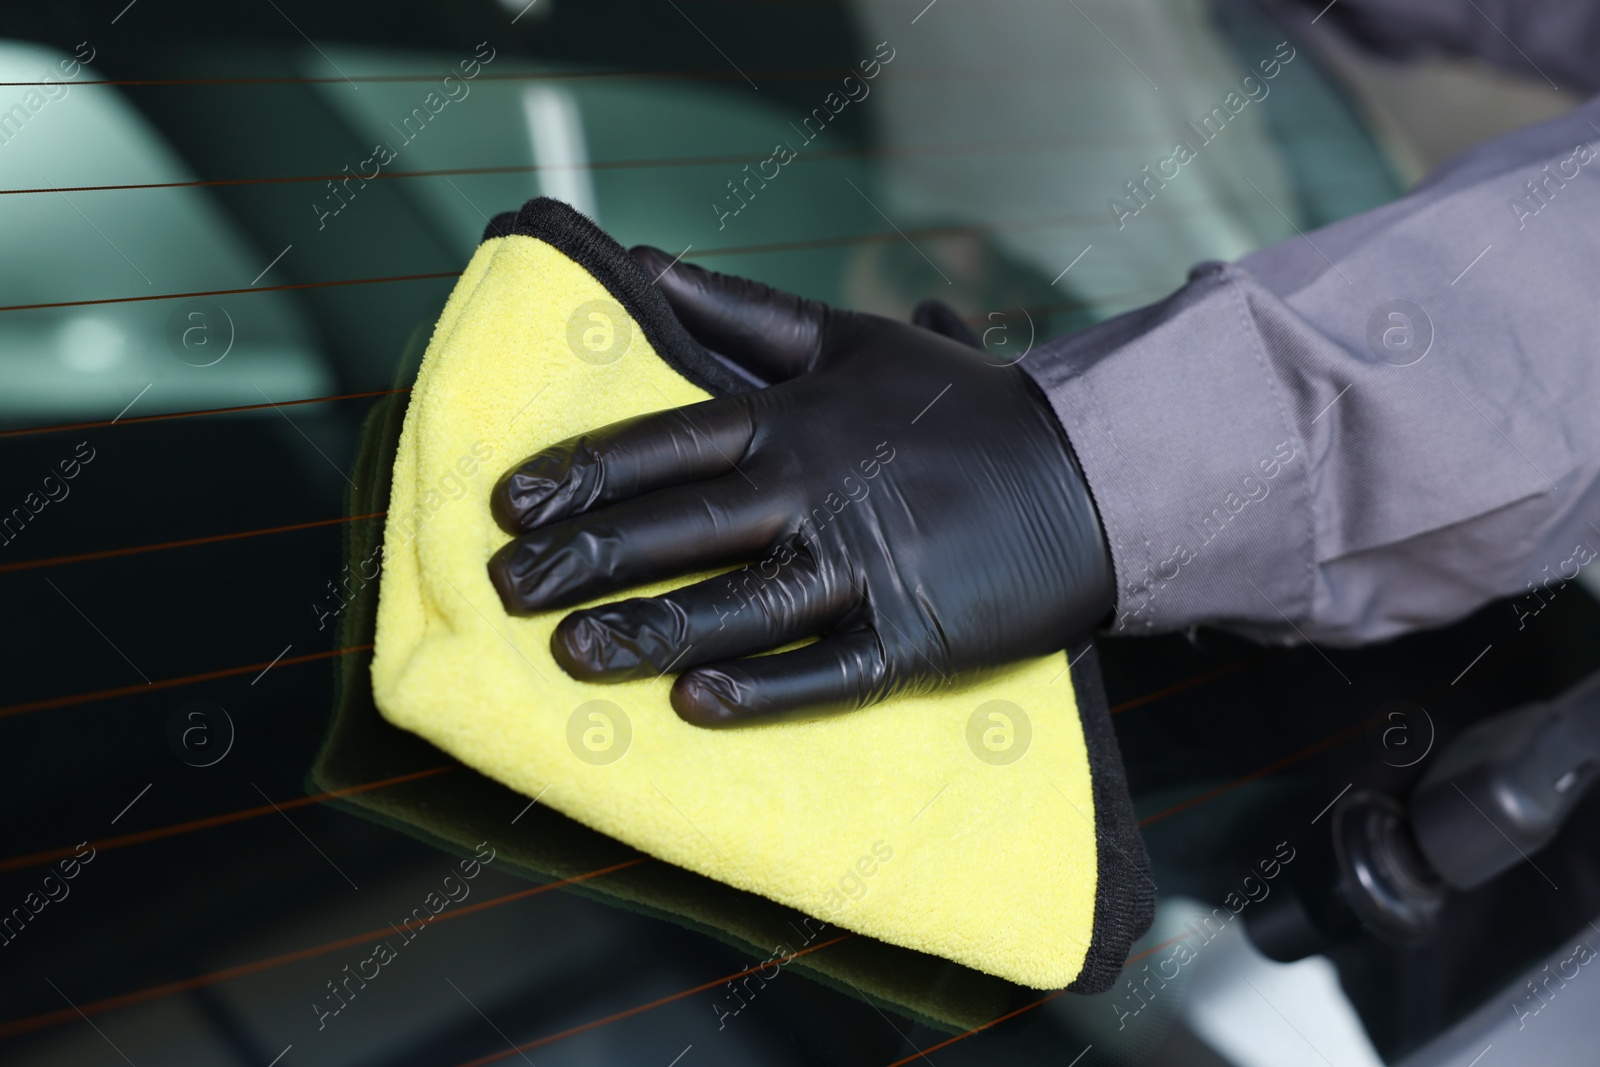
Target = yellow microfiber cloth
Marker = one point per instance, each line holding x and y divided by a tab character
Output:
395	778
989	825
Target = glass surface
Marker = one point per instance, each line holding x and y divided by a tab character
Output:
216	289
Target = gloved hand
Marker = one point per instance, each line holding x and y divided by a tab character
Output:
915	508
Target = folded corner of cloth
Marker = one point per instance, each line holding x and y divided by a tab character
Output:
989	825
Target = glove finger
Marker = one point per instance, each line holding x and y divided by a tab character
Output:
835	674
934	314
772	334
735	614
620	461
650	538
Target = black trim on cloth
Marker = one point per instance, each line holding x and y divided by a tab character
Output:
577	237
1125	890
1124	904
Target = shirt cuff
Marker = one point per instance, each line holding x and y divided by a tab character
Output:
1200	478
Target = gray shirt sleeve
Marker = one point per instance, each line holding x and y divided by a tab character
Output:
1373	428
1557	40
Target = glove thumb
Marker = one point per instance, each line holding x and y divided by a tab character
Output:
772	334
941	318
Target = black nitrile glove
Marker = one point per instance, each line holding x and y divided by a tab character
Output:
893	494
